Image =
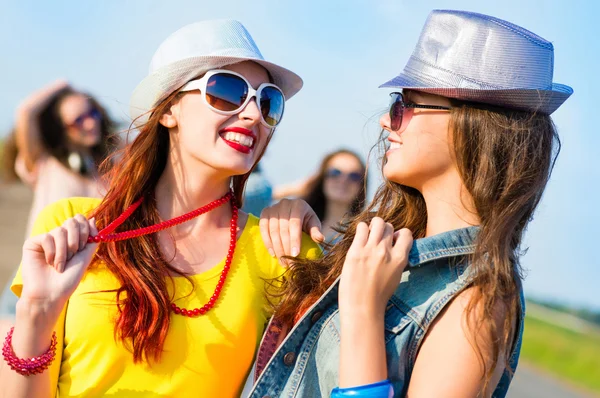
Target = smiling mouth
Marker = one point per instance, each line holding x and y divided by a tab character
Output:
395	145
238	138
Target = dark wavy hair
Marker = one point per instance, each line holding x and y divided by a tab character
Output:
54	137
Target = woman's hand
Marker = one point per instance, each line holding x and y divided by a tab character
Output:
371	273
281	226
373	267
27	130
54	263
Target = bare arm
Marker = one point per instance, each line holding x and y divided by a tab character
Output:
31	337
447	363
27	131
294	189
371	273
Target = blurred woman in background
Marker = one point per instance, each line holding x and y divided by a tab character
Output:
337	190
60	138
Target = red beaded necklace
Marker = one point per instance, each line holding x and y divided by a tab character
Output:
107	235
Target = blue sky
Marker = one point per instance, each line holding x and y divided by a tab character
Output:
343	50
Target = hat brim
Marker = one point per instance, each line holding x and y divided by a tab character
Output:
164	81
526	99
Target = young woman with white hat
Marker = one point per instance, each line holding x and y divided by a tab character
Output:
167	299
470	146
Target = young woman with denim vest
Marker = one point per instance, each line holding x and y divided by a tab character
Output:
470	148
151	306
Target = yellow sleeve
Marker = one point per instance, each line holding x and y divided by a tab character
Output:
309	250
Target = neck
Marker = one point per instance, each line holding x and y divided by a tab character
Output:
449	205
334	212
182	189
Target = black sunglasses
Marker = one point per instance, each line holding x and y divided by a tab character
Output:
336	173
401	112
80	120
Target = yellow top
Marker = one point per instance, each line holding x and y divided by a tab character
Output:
206	356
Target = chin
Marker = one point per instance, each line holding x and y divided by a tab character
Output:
237	169
398	178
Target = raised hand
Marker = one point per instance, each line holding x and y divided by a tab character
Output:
54	263
373	267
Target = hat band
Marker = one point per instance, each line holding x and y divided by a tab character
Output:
432	76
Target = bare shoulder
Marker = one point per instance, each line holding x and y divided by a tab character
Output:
450	360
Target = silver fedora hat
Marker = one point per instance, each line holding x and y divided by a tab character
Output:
478	58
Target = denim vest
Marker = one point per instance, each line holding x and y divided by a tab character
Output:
306	363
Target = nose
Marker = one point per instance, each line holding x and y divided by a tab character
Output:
250	112
385	122
89	122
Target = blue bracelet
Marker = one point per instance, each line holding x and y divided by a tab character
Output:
382	389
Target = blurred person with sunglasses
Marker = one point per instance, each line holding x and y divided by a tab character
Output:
468	146
61	137
159	288
337	190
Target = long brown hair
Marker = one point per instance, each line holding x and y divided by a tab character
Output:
505	159
138	264
315	195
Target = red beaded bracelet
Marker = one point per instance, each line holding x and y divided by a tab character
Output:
28	366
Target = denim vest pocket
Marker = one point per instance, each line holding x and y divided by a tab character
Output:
395	321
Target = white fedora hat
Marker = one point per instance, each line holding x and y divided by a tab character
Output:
192	51
479	58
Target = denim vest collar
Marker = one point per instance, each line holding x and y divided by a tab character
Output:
447	244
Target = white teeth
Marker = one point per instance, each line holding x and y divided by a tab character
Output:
239	138
395	145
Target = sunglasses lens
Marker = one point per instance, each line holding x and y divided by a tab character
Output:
226	92
272	104
80	120
355	177
334	173
95	113
396	112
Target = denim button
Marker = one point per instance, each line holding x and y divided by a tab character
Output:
289	358
316	316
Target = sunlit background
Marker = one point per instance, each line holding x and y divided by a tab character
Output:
343	50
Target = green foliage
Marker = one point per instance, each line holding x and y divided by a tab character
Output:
572	356
586	314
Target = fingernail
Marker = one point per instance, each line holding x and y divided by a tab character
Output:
60	266
271	252
295	251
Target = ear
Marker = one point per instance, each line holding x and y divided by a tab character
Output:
170	118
